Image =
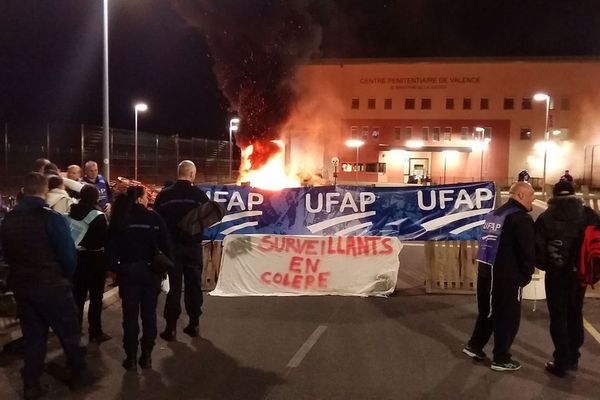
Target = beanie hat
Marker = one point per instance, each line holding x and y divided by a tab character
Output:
563	188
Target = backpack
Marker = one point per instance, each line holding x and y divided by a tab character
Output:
589	262
200	217
80	228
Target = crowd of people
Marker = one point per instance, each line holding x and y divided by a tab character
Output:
67	232
65	235
511	246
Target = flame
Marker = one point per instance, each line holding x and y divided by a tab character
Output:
271	175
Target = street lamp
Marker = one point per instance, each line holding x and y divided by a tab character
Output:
447	153
356	144
546	98
234	124
480	138
139	107
105	121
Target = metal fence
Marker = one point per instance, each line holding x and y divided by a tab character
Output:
158	155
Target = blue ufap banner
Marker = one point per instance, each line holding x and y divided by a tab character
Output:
442	212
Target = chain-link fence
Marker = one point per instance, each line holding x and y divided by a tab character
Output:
158	155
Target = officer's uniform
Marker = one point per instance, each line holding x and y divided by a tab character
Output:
130	251
173	203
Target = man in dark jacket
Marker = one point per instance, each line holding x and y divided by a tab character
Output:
173	203
41	256
506	258
559	233
90	275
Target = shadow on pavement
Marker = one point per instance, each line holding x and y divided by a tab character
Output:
198	371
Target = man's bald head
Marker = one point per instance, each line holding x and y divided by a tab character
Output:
186	170
523	193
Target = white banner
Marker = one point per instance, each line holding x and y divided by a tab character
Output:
269	265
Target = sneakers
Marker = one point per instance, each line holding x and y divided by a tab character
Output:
511	365
477	355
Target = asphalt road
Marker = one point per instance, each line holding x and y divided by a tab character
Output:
407	346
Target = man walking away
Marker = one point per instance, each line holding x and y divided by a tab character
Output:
41	257
559	233
173	203
506	257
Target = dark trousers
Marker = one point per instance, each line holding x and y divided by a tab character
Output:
505	318
39	309
564	296
188	268
90	277
139	288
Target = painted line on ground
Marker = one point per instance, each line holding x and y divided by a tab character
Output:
306	346
591	330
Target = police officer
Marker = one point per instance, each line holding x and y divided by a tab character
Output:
506	257
134	233
173	203
41	257
93	178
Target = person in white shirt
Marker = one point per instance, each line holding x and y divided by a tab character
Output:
57	198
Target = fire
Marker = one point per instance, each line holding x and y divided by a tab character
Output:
271	175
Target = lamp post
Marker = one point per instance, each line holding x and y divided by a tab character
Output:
234	124
546	98
480	138
355	144
139	107
105	121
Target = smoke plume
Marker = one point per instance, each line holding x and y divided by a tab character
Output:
256	47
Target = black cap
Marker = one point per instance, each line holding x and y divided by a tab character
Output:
563	188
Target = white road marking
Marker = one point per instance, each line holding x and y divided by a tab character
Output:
592	331
306	346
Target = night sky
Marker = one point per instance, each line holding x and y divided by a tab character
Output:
174	54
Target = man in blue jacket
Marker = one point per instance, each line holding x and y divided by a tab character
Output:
41	256
506	257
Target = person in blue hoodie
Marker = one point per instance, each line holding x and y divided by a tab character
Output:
41	257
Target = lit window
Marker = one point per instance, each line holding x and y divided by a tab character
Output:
448	133
365	132
487	133
525	134
375	133
464	133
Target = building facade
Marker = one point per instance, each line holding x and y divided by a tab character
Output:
451	121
